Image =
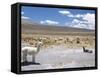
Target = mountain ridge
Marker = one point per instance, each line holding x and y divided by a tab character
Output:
34	27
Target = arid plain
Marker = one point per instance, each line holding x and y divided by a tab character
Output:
62	46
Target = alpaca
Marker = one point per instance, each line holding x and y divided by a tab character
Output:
86	50
32	51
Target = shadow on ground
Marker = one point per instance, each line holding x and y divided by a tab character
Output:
29	63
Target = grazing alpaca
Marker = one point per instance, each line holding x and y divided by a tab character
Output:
32	51
86	50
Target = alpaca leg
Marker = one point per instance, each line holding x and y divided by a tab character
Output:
25	56
33	59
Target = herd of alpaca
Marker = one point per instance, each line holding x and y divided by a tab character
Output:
32	51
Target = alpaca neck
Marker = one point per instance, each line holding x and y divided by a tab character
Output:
38	48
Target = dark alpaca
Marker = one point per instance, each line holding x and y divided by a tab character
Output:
87	50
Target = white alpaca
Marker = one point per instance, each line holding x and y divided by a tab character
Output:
32	51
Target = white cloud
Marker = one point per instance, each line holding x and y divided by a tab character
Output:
90	18
88	21
64	12
50	22
42	22
80	25
75	16
75	21
22	12
82	20
69	14
79	15
24	17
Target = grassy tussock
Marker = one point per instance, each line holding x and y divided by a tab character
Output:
70	41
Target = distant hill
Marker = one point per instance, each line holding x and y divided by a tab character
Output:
32	27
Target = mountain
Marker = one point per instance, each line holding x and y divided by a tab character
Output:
33	27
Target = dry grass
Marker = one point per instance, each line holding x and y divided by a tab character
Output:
70	41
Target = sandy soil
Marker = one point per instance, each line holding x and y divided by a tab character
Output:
55	57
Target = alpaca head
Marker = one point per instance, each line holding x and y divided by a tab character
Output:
40	42
39	45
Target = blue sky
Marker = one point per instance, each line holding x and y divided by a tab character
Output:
60	17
